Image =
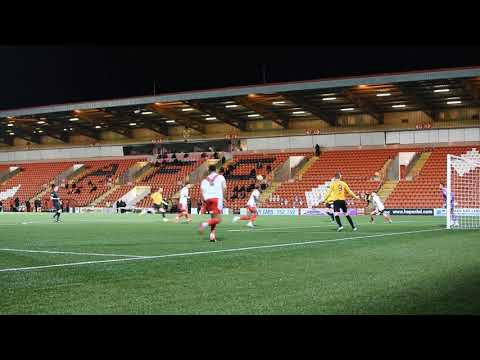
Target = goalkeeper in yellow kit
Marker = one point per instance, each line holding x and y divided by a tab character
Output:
337	192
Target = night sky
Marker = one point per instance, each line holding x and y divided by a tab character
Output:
44	75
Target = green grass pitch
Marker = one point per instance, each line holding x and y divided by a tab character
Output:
133	264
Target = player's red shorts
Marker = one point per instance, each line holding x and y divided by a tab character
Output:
211	205
252	209
182	208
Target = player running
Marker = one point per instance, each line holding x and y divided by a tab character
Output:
338	190
252	203
183	204
329	205
379	208
213	189
158	203
57	204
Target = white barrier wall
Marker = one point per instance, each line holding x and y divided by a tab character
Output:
433	136
71	153
365	139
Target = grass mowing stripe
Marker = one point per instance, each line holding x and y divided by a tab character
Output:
219	251
68	253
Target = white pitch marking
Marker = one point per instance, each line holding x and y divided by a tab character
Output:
323	226
68	253
217	251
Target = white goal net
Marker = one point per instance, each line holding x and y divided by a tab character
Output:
462	195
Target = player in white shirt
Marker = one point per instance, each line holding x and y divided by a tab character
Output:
213	189
251	208
183	204
379	208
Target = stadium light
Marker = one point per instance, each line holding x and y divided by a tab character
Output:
11	133
329	98
298	112
253	115
279	103
71	129
74	119
454	102
146	113
231	106
441	90
211	118
40	131
98	127
10	125
41	122
399	106
188	109
132	124
170	121
384	94
347	109
65	129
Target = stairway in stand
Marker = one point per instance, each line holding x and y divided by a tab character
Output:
417	167
270	190
386	189
307	166
103	196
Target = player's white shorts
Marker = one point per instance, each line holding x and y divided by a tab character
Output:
380	211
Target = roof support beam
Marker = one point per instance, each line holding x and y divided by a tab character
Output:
180	119
79	128
155	126
429	110
7	139
62	136
472	91
326	116
27	135
240	124
362	105
249	103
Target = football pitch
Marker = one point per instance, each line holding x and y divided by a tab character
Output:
138	264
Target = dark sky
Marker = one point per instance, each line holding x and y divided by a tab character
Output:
43	75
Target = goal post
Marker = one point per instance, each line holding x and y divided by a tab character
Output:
463	192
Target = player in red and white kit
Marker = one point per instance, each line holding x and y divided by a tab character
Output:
251	208
183	204
213	189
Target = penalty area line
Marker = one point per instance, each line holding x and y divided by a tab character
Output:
217	251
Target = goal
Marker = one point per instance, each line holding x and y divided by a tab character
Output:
463	192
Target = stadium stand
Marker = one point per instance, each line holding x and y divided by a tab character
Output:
98	173
169	176
240	174
423	192
33	178
359	174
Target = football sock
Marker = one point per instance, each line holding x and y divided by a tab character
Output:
331	216
337	218
350	221
213	223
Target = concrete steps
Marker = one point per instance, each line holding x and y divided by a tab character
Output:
103	196
386	189
307	166
270	190
419	164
